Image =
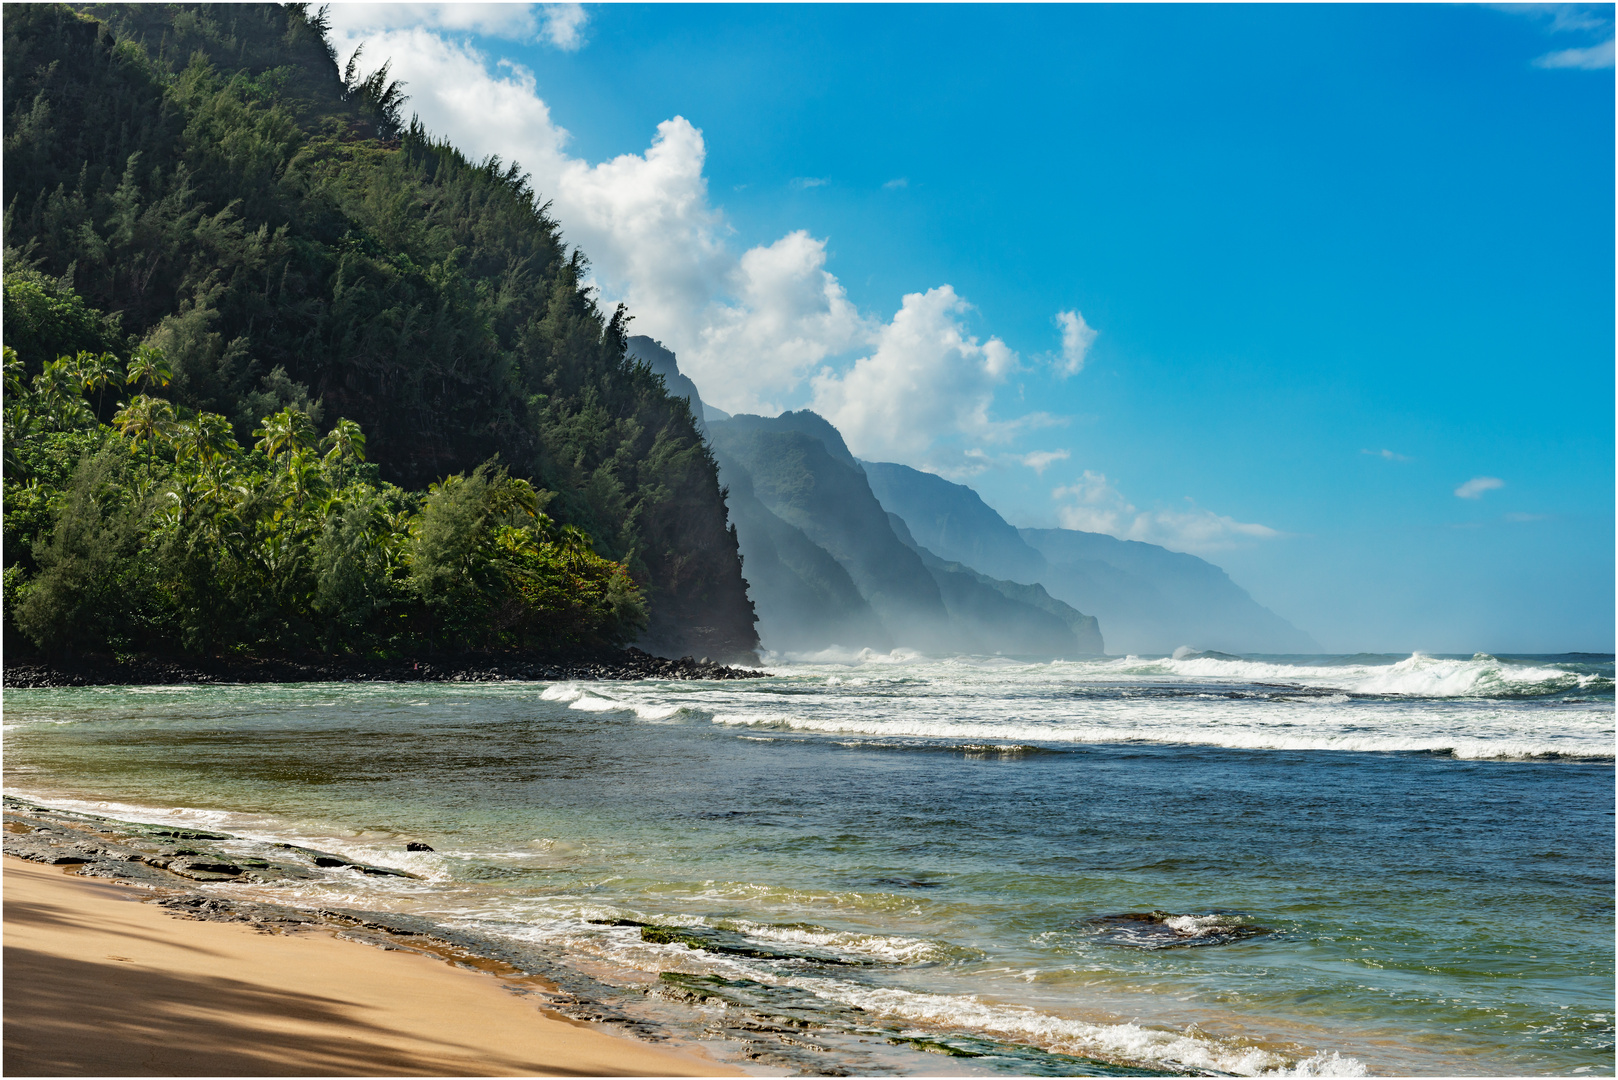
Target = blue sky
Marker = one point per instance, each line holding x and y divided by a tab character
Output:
1319	268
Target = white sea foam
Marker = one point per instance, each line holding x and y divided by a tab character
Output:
837	655
1478	708
1129	1042
1595	744
595	700
886	947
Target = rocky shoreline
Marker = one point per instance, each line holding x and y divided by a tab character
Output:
167	860
37	673
171	862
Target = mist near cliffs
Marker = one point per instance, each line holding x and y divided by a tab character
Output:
842	555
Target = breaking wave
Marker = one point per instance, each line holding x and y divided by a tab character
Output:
1476	708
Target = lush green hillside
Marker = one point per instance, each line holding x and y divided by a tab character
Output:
203	181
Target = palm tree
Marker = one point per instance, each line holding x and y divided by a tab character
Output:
345	440
59	393
207	438
148	365
289	429
14	372
100	370
145	419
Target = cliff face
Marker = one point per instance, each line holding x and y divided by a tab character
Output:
813	484
1014	618
1147	598
953	521
806	601
828	566
1156	600
662	362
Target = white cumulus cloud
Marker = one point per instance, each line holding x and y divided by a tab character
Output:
1092	504
454	93
927	376
564	26
645	221
1475	487
761	330
1077	337
787	317
516	22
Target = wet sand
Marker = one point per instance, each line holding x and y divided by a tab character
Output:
97	983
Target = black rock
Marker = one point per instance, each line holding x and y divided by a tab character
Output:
417	845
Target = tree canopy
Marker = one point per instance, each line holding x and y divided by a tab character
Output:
204	183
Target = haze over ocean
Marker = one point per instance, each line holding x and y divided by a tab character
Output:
1337	319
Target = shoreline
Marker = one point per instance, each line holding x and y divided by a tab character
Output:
118	968
39	673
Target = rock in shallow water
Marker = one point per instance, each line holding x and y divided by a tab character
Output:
1166	930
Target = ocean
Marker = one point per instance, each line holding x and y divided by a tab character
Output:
1323	865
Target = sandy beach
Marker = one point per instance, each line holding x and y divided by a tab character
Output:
98	983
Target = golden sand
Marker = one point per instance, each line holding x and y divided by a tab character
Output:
99	984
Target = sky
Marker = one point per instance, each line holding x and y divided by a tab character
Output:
1322	294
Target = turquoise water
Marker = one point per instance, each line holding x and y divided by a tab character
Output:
1336	865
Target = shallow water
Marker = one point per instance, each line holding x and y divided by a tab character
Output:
1318	864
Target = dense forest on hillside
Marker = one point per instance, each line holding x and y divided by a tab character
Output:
205	185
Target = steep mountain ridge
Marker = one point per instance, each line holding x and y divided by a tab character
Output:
208	182
816	487
661	361
954	521
791	477
1149	599
806	601
1014	618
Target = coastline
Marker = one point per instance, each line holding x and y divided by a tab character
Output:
113	974
38	673
678	868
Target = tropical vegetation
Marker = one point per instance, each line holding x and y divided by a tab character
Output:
160	526
207	185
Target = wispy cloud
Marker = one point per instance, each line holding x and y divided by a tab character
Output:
1475	487
1077	337
896	183
1092	504
564	26
1592	59
1040	460
804	182
1385	455
1588	20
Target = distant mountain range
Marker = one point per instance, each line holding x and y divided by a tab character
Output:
847	554
1149	599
